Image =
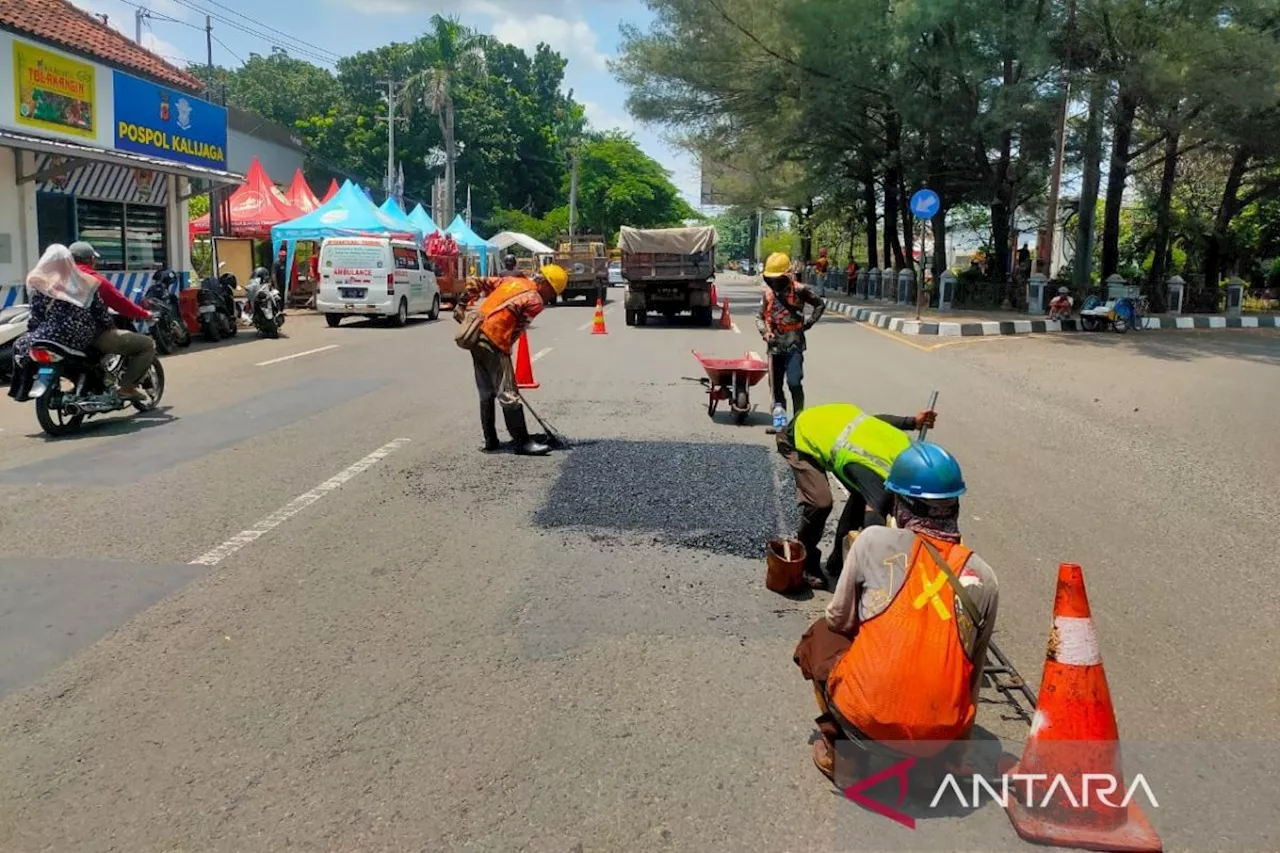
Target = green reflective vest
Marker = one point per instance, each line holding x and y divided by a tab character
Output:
839	434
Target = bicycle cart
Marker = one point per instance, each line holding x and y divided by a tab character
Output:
729	379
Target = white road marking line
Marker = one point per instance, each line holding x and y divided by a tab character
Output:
296	355
540	353
735	328
297	505
592	321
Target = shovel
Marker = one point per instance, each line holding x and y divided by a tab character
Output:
555	440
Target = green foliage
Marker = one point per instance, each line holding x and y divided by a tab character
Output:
618	184
197	206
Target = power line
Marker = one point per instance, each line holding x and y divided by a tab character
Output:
270	28
323	56
229	50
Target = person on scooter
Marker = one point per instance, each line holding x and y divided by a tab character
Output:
858	448
138	350
506	313
898	657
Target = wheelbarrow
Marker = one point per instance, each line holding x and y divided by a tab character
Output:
729	379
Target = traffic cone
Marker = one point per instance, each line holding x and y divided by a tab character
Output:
715	297
597	328
726	322
1074	735
524	364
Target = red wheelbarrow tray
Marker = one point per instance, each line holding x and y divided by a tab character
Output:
723	371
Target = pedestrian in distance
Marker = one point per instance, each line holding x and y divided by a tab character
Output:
899	654
505	313
782	323
859	449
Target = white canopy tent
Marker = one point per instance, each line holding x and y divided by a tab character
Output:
507	239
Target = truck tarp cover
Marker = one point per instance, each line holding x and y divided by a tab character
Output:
668	241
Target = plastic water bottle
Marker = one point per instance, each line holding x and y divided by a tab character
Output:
779	416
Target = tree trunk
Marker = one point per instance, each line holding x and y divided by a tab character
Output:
892	178
1117	174
450	155
908	224
1216	246
1083	263
1164	212
869	212
806	231
939	265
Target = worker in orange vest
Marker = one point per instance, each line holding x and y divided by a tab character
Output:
507	312
898	656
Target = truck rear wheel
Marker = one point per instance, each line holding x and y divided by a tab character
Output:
631	317
702	317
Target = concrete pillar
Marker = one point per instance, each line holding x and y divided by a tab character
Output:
862	280
1036	284
1118	288
1235	296
946	290
1176	289
906	277
873	283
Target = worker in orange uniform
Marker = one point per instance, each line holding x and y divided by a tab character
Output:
479	288
898	657
781	322
507	312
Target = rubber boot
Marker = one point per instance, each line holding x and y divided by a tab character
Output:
525	445
797	400
489	424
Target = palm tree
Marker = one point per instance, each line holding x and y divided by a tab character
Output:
449	49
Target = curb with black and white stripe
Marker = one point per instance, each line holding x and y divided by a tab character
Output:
908	326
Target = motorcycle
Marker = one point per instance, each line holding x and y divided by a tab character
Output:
170	331
217	305
265	304
69	386
13	324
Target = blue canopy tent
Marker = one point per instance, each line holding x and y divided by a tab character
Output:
392	209
419	216
460	231
347	214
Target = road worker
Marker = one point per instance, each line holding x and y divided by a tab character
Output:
898	657
858	448
781	322
506	313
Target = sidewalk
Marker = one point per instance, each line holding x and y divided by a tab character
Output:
966	323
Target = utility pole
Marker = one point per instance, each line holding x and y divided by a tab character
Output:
139	15
573	194
391	120
1055	180
214	217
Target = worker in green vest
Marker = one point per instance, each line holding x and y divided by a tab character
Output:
859	449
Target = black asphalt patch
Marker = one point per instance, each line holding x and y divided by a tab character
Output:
713	497
52	608
132	458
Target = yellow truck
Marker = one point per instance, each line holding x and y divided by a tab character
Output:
586	260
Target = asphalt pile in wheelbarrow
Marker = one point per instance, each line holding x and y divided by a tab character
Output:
712	497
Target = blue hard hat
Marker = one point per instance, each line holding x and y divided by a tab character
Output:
925	471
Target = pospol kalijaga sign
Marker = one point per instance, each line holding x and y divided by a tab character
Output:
54	92
166	123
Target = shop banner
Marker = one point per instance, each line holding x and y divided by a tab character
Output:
166	123
54	92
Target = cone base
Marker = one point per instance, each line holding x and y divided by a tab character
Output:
1135	835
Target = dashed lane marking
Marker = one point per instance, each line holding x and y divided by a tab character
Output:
297	505
296	355
540	353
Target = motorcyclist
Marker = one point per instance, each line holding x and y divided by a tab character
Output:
262	274
59	319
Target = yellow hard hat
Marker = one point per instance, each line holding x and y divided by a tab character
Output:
556	277
777	264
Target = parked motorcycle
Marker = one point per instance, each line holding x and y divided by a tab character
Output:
13	324
217	303
169	331
69	387
265	304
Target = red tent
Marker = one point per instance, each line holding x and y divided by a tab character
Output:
333	190
300	195
255	207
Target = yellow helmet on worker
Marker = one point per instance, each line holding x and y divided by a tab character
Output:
777	264
556	277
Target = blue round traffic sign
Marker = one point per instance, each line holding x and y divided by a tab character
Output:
925	204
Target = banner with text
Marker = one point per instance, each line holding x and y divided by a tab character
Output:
166	123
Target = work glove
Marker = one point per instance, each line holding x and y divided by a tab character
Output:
927	418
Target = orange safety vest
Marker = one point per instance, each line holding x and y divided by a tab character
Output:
499	324
907	677
783	316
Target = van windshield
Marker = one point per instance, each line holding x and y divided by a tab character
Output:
354	256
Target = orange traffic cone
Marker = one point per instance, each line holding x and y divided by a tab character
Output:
1073	736
715	297
524	364
726	322
597	328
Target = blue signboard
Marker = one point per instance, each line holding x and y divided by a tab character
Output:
161	122
925	204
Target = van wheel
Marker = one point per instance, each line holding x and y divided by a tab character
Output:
333	320
434	313
402	314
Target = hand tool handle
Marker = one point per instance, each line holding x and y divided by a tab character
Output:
933	401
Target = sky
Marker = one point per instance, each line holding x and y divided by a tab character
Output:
585	32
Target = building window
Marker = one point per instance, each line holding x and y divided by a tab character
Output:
127	236
56	218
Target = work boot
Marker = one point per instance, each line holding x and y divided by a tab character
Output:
797	401
489	424
525	445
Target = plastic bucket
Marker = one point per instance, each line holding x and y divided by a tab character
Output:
785	560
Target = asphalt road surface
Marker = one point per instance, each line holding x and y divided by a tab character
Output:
296	609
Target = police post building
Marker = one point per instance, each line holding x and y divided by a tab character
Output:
100	140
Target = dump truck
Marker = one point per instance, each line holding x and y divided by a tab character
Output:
584	258
668	271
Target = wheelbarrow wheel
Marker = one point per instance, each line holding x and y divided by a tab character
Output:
741	408
712	402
